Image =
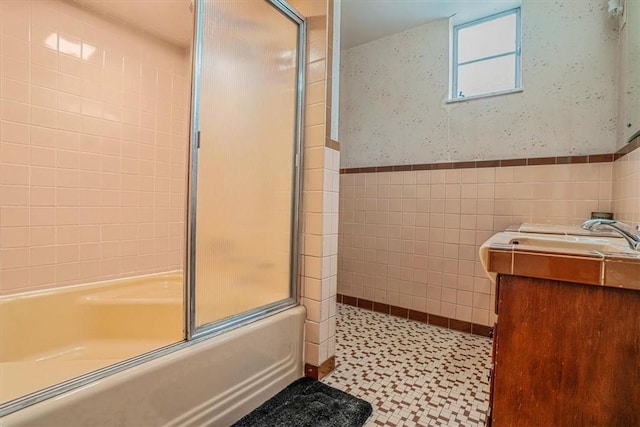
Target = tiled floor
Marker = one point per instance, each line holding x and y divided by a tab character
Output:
413	374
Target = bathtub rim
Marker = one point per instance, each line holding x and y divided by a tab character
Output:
5	298
228	325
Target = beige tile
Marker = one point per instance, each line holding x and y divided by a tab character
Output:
451	220
48	133
15	69
317	50
315	114
14	90
316	71
15	279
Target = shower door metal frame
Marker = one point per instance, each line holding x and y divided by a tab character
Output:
194	332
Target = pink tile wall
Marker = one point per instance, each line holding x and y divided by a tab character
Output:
411	239
92	148
320	189
626	188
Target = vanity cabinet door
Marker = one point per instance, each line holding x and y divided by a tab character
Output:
566	355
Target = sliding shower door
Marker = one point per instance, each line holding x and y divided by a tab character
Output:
245	164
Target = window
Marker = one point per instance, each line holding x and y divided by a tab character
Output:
486	56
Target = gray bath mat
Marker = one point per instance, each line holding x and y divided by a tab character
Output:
309	403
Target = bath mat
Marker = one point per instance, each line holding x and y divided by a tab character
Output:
307	402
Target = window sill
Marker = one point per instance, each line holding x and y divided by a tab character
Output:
484	95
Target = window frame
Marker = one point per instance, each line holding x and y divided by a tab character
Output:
517	52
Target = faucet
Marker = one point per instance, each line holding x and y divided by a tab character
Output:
631	236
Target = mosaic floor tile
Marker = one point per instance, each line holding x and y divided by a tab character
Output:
414	374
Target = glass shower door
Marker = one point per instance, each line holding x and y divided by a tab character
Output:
244	194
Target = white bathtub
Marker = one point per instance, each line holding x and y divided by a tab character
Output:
212	382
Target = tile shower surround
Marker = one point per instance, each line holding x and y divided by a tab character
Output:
409	234
93	154
93	148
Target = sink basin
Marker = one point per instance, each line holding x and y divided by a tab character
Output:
569	243
562	230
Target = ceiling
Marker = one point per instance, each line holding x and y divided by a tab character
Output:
170	20
362	20
366	20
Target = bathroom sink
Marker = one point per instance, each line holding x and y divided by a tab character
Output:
562	230
569	243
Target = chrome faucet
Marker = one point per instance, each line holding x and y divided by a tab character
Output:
631	236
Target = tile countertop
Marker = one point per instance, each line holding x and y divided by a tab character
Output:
559	253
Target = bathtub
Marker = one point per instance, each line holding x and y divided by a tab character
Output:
52	335
68	332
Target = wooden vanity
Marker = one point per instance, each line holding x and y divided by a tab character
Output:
566	348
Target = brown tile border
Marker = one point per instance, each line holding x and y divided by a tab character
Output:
542	161
381	308
331	143
326	367
564	268
399	312
562	160
572	160
501	261
513	162
436	320
424	167
601	158
440	166
349	300
488	163
485	331
633	144
464	165
365	303
622	273
584	269
460	325
310	371
319	372
418	316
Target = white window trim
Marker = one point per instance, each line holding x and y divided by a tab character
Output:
518	57
484	95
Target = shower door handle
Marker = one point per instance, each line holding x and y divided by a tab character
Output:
198	140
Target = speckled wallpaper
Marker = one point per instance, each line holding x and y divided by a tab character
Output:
629	73
393	107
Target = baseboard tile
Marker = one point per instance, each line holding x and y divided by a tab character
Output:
319	372
418	316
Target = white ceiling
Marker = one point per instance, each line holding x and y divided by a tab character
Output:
367	20
170	20
362	20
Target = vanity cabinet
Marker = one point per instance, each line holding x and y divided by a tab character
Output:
565	354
